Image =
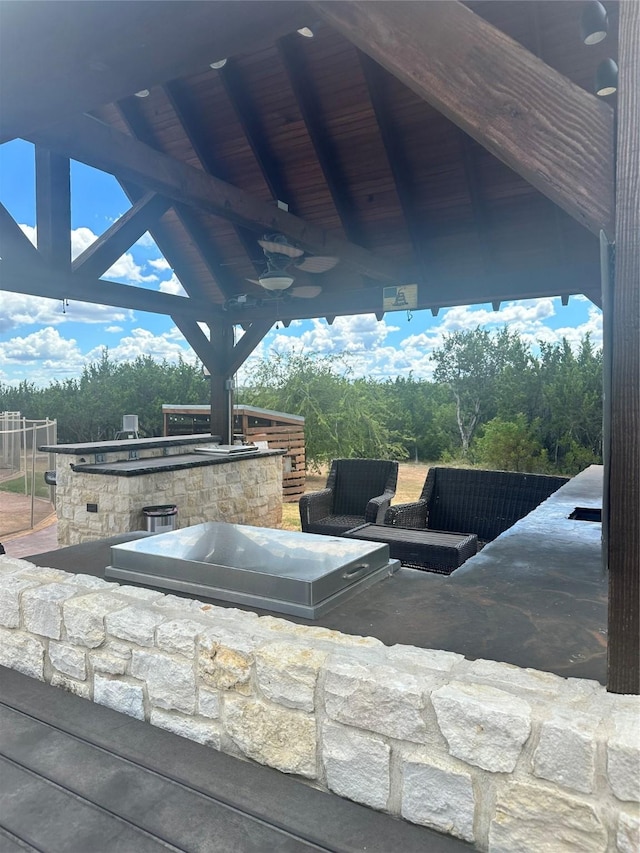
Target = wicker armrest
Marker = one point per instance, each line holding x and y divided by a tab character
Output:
407	515
315	505
377	507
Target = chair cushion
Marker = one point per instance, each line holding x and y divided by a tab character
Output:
335	525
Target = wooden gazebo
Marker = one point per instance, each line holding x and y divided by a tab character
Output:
444	152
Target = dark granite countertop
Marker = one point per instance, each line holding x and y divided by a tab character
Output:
86	448
162	464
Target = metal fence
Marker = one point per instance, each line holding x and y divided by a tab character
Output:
25	499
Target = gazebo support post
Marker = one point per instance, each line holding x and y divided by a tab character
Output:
623	549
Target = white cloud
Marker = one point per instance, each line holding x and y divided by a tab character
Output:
172	286
113	330
18	309
45	355
159	263
140	342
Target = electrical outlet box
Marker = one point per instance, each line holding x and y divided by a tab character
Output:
92	507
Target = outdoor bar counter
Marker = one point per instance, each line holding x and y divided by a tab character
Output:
535	597
103	487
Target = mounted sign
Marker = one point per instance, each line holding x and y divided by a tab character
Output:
400	298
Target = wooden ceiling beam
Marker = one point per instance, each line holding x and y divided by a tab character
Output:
439	293
304	91
36	280
117	239
64	59
549	130
198	341
172	250
247	343
53	207
91	141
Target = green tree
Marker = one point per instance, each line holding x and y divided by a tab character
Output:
511	446
470	364
342	417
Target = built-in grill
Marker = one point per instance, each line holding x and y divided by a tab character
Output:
301	574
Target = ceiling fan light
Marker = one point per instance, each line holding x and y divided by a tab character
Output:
274	280
607	78
594	23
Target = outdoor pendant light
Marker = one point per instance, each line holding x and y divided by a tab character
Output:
594	23
607	78
275	280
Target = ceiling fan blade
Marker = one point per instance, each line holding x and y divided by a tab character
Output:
281	248
317	263
306	291
253	281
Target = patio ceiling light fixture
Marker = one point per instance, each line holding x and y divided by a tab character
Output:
594	23
143	93
305	32
219	63
275	280
607	78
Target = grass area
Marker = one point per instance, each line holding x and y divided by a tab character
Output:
16	485
411	479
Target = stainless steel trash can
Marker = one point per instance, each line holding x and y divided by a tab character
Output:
160	518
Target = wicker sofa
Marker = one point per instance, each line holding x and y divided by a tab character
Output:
467	500
357	491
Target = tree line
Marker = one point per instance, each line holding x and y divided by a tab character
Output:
492	402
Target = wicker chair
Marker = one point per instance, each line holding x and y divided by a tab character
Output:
465	500
357	491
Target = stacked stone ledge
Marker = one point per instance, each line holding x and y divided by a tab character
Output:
507	758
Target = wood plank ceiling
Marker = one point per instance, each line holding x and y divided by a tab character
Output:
353	151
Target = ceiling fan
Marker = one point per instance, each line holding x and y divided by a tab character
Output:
283	258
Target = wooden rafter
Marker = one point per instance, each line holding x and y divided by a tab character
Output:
478	204
115	241
306	97
92	142
177	97
254	131
120	53
546	128
397	161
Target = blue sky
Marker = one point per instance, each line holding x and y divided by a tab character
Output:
40	342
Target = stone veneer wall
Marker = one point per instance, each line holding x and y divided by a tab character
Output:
238	491
511	759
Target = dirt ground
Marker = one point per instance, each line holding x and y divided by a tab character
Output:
411	479
15	514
